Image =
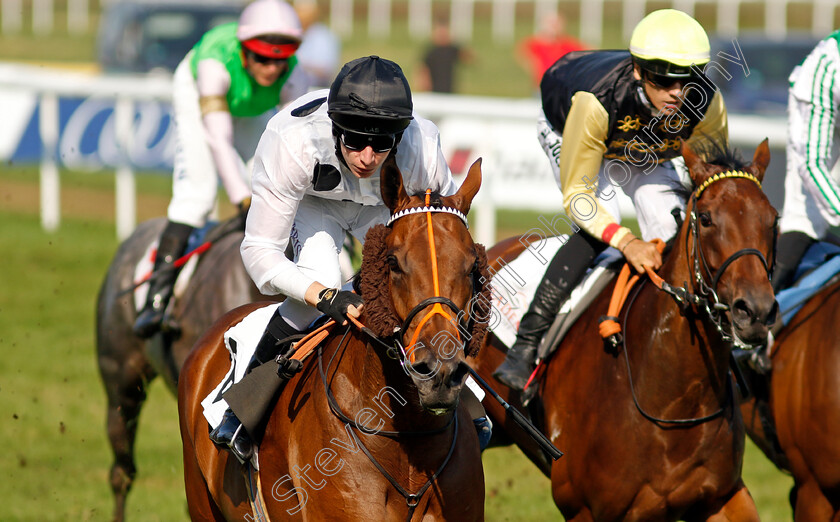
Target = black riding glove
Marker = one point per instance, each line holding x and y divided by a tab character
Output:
334	303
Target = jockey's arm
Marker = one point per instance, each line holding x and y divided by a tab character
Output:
213	82
581	155
817	98
279	182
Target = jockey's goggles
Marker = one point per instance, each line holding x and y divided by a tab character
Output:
355	141
264	52
665	82
265	60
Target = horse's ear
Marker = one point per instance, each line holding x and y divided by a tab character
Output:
391	185
469	188
761	159
697	168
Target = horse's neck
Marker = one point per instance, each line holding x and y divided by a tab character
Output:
684	345
364	381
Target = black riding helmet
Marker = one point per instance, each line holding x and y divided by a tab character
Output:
371	96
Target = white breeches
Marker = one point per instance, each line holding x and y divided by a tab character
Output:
654	194
317	237
194	176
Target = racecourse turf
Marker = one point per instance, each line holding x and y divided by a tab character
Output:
54	466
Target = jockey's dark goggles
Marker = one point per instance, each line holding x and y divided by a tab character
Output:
665	82
355	141
266	60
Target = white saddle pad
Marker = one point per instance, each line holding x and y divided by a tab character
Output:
144	270
241	341
515	284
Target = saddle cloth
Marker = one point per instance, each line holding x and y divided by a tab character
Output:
146	266
241	341
514	286
820	263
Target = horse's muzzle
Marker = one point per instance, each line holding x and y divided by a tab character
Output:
439	383
753	315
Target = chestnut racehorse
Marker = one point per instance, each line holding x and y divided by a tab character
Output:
650	428
801	401
367	430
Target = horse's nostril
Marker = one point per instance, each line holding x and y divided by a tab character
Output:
422	368
458	375
741	310
772	317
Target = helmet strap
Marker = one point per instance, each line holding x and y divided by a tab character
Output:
643	96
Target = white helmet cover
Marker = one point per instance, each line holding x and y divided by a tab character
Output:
268	17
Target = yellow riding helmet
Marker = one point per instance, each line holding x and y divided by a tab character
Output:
667	42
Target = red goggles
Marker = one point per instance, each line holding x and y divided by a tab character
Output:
268	50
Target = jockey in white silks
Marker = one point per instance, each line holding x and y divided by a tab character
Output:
316	177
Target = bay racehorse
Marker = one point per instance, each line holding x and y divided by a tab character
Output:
795	414
371	428
128	364
651	428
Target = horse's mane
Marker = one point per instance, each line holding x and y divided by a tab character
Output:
375	289
716	153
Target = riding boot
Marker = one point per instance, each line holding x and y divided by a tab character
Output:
789	252
254	396
519	363
563	273
173	243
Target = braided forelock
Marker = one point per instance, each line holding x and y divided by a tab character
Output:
374	284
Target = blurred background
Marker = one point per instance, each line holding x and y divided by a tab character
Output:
86	154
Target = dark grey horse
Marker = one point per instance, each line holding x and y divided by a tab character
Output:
128	364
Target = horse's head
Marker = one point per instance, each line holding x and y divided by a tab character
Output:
732	237
425	284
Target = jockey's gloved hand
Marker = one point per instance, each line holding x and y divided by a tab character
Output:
334	303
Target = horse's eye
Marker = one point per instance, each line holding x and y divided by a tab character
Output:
393	264
705	219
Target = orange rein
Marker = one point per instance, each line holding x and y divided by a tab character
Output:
310	341
610	326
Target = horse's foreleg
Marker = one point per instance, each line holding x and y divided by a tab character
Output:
811	504
199	500
740	507
125	385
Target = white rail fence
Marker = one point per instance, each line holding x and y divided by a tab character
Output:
501	131
347	15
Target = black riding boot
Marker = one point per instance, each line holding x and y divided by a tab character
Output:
274	342
173	243
519	363
789	252
563	274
